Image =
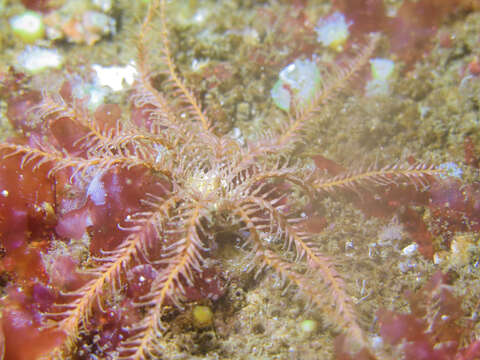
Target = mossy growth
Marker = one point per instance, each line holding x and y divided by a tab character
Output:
202	316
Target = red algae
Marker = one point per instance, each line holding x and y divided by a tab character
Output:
410	31
365	15
432	330
39	5
24	340
35	206
415	24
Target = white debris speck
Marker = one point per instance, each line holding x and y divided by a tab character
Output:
96	190
377	342
390	233
349	245
104	5
200	16
35	59
161	151
451	169
382	69
236	134
405	266
437	259
115	76
198	64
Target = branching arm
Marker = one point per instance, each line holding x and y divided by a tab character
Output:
181	260
321	284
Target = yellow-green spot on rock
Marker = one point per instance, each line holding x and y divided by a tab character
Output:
28	26
308	327
202	316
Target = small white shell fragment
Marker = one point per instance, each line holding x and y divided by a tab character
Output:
35	59
382	69
332	31
302	77
437	259
410	249
382	73
115	76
